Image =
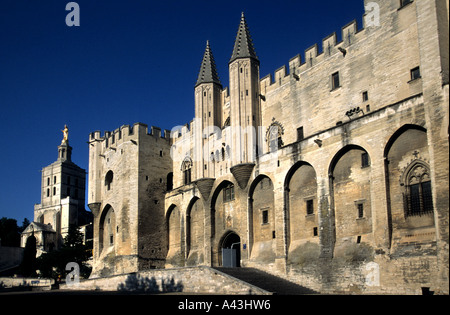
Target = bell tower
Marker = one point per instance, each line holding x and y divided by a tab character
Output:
62	192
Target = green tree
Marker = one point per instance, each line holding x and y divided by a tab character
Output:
9	232
54	263
25	224
28	265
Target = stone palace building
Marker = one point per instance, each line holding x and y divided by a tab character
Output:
333	172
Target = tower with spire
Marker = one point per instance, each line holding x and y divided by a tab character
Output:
208	110
239	108
244	96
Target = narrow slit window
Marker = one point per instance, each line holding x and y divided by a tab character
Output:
335	81
265	216
109	179
365	96
300	134
309	206
186	169
365	162
360	211
315	231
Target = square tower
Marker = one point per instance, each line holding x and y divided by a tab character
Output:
62	200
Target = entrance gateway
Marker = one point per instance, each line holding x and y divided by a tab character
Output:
231	251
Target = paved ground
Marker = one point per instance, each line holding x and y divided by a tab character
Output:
84	292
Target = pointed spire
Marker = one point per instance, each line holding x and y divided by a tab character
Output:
243	46
208	71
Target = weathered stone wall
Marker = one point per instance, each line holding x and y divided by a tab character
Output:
358	209
154	168
352	168
128	179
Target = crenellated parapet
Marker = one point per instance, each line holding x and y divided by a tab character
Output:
118	151
127	133
312	57
182	132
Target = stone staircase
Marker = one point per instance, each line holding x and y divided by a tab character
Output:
266	281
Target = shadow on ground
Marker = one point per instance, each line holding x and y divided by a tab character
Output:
138	284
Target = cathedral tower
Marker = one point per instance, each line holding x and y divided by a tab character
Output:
62	200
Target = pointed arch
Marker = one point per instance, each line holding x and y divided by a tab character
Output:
416	180
107	228
274	136
186	168
218	189
261	220
221	217
398	133
169	213
229	249
292	171
301	207
194	231
174	237
350	196
341	153
408	197
109	180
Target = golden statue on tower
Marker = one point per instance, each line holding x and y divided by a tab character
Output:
65	135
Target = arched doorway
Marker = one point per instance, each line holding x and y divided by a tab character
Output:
230	250
222	218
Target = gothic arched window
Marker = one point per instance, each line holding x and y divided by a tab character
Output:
186	167
273	136
109	179
417	197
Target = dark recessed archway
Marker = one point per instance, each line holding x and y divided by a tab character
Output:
230	250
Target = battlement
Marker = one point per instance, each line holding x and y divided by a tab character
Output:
179	133
313	56
127	133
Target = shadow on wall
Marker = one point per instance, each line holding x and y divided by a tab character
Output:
138	284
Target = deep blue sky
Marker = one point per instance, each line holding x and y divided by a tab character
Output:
128	61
